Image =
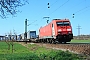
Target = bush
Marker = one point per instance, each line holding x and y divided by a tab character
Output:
58	55
21	56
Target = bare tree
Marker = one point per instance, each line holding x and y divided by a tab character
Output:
9	7
13	39
7	41
10	41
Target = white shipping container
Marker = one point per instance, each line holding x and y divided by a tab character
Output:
31	34
18	37
22	36
28	35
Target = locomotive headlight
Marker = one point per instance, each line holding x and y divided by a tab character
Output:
59	30
68	29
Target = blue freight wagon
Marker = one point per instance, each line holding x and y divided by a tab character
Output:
31	35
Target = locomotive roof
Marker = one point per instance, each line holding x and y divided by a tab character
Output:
60	19
56	21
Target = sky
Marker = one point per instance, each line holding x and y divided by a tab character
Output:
37	9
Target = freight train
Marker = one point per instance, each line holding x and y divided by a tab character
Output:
58	30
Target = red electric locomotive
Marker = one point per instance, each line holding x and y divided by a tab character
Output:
59	30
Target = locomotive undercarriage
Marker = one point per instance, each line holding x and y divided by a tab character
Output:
59	39
64	38
47	40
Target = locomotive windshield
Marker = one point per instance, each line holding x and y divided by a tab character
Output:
65	23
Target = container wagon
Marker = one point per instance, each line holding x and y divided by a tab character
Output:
58	30
31	35
22	37
19	37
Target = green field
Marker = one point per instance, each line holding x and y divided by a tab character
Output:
80	41
34	52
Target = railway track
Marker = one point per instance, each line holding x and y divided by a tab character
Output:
79	48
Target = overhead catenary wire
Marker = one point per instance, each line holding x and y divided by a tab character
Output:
59	6
54	10
74	6
32	22
49	7
83	11
80	10
76	13
54	2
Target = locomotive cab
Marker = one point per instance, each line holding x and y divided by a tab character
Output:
64	31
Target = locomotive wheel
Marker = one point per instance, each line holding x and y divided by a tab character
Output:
53	41
60	42
47	41
50	41
65	42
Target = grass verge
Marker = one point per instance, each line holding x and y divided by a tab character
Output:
80	41
34	52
